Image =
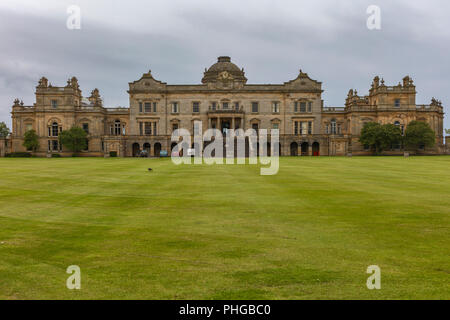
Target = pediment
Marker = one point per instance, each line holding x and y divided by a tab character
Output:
304	82
147	82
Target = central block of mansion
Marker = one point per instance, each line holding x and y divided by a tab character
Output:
223	100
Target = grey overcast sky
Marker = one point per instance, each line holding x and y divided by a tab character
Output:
272	40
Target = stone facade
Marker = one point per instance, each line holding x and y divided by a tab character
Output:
5	145
223	100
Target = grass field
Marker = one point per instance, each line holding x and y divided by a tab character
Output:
225	232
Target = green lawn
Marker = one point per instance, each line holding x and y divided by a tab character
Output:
225	232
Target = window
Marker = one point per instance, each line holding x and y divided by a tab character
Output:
141	130
236	106
196	107
333	126
255	126
225	105
255	107
276	126
174	126
309	127
309	106
303	127
275	107
302	106
87	145
54	104
154	107
148	128
214	106
147	107
140	107
117	128
296	128
28	127
397	103
175	107
86	127
55	145
295	106
55	129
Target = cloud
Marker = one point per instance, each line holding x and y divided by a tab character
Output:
120	40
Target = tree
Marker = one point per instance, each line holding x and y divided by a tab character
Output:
31	140
419	134
74	139
4	130
380	137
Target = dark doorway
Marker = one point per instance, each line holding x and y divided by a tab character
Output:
305	147
316	149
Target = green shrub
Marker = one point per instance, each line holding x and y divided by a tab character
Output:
113	154
18	155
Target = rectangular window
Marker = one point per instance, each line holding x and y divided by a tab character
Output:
309	106
196	107
141	129
225	105
54	104
174	126
55	145
295	127
49	145
397	103
309	127
295	106
148	107
275	107
302	106
148	128
175	107
140	107
86	127
236	106
275	126
214	106
255	107
255	127
303	127
154	107
154	128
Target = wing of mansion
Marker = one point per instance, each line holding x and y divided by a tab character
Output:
223	100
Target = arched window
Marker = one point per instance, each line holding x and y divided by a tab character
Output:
398	124
55	129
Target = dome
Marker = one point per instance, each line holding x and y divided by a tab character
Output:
222	65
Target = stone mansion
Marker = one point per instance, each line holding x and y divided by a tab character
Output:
223	100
